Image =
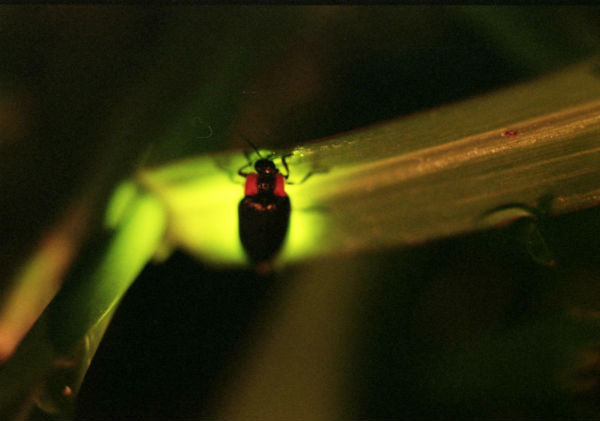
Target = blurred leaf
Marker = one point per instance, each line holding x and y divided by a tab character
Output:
411	180
513	373
404	182
296	366
48	367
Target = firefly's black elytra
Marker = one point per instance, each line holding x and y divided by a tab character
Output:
264	212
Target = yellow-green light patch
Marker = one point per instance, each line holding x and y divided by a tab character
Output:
202	197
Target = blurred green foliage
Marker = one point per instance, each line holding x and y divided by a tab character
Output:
464	328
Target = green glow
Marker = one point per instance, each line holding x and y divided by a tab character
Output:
86	300
204	219
202	201
54	356
122	197
134	243
306	227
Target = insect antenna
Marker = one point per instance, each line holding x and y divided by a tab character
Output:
249	142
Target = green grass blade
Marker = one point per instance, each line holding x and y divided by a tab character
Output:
48	367
411	180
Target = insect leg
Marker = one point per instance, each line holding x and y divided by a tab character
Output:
308	175
244	174
232	176
240	172
285	165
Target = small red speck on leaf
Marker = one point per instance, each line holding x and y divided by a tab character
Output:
552	262
67	391
510	133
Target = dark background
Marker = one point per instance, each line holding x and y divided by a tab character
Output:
92	92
